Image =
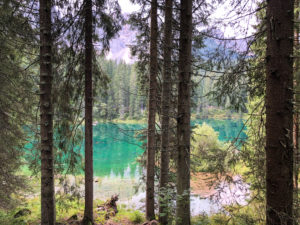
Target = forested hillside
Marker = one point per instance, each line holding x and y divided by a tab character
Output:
126	98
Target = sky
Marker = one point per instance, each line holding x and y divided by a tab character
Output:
227	9
127	6
223	10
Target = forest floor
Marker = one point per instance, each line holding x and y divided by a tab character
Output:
203	184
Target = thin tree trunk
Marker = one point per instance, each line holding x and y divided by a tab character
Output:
184	114
279	112
165	106
47	169
151	143
88	27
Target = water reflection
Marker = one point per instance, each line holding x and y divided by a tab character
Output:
115	153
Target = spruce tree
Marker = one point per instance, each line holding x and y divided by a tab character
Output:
46	119
279	112
88	146
151	143
165	111
184	114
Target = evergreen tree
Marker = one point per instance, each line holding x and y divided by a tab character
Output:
151	143
88	146
279	112
184	114
46	119
165	111
17	97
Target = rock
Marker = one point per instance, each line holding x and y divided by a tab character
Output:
22	212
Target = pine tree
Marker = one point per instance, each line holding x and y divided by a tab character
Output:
151	143
165	111
88	28
296	135
184	114
279	112
46	120
17	99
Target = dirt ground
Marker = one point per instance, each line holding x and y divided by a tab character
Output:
203	184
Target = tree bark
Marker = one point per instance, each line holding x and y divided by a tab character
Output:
184	113
296	115
151	143
279	112
46	126
88	27
165	106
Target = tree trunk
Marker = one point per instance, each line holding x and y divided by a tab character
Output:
165	106
46	126
296	115
151	143
184	113
88	27
279	112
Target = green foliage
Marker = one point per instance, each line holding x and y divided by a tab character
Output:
215	219
166	198
134	216
17	97
122	99
208	153
233	215
253	150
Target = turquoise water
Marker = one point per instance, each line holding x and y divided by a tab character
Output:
228	129
116	147
115	152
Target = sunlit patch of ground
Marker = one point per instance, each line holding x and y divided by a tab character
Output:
203	184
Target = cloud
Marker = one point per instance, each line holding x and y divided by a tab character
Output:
128	7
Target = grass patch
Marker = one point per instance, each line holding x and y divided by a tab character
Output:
67	207
133	216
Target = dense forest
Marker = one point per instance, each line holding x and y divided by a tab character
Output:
124	97
171	112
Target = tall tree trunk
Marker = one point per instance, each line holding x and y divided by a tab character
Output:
47	169
151	143
296	115
279	112
88	27
184	114
165	106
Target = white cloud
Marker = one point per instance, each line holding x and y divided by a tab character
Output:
128	7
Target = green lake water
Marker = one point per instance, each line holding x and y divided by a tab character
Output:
116	149
116	170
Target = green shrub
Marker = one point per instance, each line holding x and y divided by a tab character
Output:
136	217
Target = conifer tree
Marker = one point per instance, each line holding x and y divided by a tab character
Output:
165	111
46	120
184	114
279	112
88	28
151	143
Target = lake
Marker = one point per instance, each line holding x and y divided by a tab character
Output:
115	152
116	147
